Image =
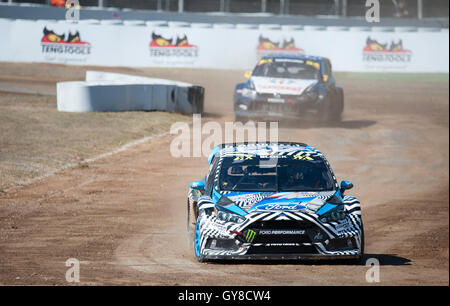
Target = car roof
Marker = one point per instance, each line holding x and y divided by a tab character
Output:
236	149
295	57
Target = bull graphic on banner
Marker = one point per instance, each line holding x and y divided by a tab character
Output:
376	52
170	47
57	44
267	46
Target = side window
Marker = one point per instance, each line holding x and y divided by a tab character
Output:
328	67
212	174
326	70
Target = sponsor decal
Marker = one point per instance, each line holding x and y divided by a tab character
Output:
280	206
281	244
250	236
57	44
342	225
220	227
279	87
302	156
161	47
266	47
376	52
247	157
282	232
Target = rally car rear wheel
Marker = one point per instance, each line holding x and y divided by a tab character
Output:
333	107
191	221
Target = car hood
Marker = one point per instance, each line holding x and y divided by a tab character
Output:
264	85
281	201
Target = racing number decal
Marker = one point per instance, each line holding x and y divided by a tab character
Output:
314	64
303	157
264	61
243	158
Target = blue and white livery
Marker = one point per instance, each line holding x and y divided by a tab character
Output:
273	201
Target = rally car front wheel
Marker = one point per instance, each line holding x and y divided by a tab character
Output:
193	230
360	260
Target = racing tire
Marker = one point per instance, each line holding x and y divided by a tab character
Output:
192	230
338	105
190	226
333	107
198	256
360	259
241	119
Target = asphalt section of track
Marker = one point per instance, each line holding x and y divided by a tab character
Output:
124	216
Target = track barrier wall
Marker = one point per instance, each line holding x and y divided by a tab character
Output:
104	91
221	46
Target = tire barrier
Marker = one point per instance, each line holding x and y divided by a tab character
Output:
112	92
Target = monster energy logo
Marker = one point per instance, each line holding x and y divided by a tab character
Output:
250	236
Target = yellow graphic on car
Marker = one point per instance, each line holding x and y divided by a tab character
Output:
303	156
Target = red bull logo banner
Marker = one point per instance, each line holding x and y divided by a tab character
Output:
62	44
179	47
376	52
267	46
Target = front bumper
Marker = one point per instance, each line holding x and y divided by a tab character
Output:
306	251
264	107
282	240
282	257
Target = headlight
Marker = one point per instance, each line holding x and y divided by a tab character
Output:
243	107
312	95
336	214
248	93
228	217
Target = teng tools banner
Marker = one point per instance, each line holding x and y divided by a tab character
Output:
144	46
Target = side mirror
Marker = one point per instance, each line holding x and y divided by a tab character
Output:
197	185
345	185
248	74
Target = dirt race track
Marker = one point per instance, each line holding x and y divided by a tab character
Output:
124	216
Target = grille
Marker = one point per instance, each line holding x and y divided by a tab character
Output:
341	244
279	108
282	225
283	250
269	95
282	239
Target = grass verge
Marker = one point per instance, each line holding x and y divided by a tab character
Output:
36	139
398	77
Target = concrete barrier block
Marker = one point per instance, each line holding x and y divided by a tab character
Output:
111	92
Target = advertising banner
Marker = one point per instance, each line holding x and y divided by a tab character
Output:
219	48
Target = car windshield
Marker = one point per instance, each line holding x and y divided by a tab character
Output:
289	173
290	70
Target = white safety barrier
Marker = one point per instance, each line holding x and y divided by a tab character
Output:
221	46
110	92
